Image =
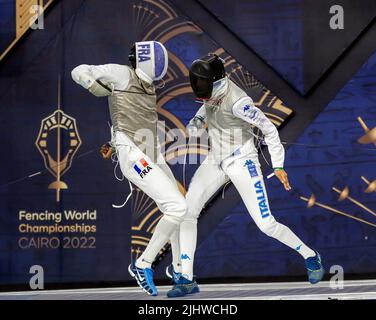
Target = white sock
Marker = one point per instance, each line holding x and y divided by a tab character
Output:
188	240
175	250
162	233
289	238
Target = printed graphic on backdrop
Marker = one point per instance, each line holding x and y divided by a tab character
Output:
58	141
159	22
19	19
369	138
64	128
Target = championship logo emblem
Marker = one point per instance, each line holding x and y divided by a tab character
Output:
58	142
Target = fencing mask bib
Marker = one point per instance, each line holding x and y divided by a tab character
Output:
150	59
203	73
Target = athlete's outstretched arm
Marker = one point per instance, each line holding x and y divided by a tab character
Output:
101	80
113	76
246	110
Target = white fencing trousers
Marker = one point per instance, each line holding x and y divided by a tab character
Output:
174	239
245	173
158	184
208	178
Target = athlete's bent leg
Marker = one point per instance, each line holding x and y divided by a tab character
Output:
173	271
252	189
208	178
250	184
150	178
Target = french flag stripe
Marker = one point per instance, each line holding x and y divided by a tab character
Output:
143	162
138	170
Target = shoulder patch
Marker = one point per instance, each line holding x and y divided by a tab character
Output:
249	111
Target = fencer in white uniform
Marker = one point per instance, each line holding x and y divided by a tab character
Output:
230	115
133	110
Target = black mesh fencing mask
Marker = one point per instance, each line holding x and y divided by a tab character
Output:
203	73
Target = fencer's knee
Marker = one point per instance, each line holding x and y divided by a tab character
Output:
270	228
191	217
194	207
177	209
193	213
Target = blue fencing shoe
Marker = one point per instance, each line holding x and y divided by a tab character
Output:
315	269
183	287
170	272
144	278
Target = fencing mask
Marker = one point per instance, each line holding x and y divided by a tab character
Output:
149	59
204	72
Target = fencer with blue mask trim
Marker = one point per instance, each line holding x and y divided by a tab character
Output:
230	113
133	109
